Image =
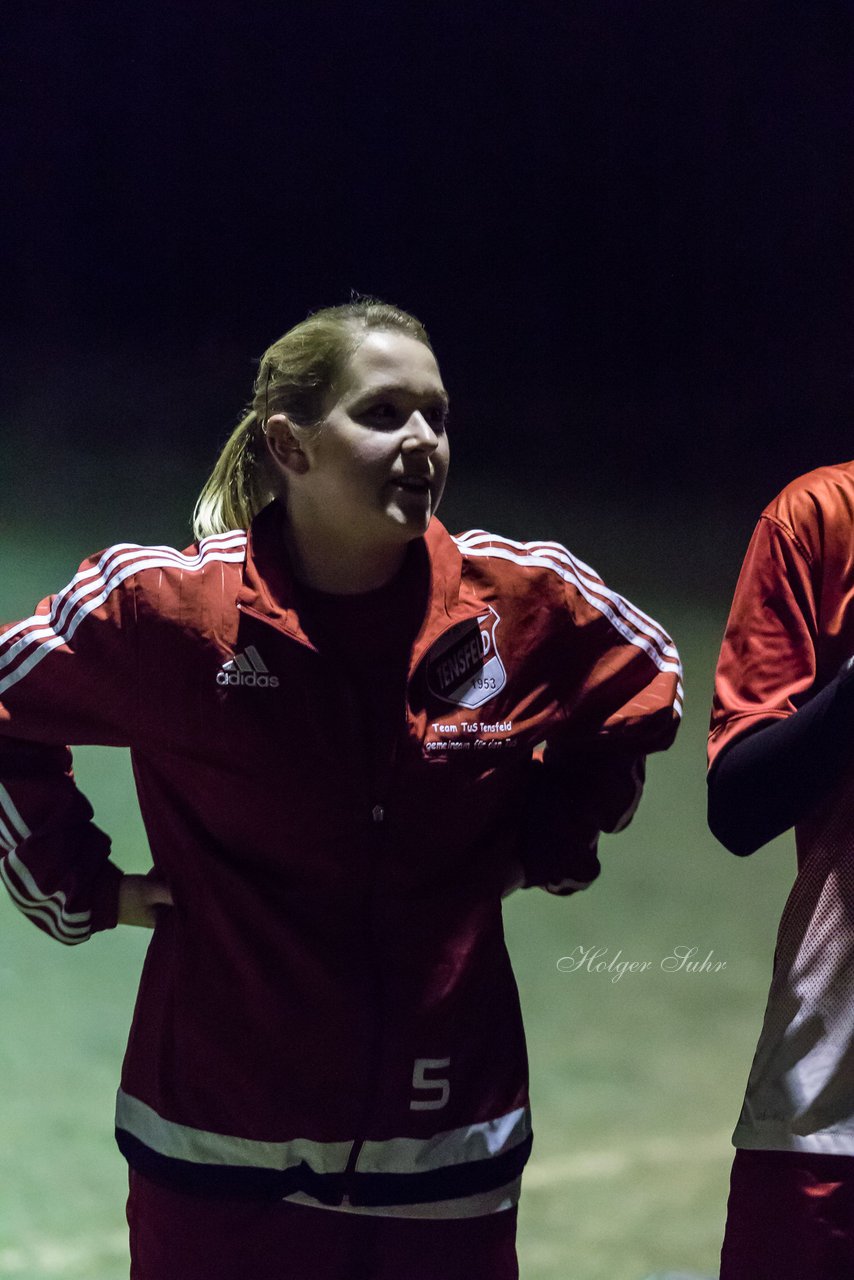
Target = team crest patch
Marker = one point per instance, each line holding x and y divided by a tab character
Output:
464	667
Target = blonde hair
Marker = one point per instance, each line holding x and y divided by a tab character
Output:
294	377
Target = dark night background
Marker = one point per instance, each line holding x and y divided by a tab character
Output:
626	226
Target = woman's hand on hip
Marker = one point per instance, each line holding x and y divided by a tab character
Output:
139	898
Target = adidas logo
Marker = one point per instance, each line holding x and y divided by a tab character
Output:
247	668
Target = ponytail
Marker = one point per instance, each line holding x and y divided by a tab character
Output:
240	484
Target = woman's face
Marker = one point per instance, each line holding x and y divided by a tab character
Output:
375	471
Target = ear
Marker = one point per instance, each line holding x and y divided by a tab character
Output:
283	446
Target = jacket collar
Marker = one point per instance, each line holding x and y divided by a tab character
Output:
270	591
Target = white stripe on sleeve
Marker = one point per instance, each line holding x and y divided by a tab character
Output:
70	607
632	623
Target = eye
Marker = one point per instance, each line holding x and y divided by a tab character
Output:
437	416
387	415
381	414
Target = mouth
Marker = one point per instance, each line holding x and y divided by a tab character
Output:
412	484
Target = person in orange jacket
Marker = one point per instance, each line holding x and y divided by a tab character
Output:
779	758
335	711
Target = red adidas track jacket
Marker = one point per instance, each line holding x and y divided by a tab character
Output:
328	1012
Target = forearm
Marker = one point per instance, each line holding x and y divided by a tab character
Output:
54	861
773	776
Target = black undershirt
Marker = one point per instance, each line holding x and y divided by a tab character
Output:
370	637
774	776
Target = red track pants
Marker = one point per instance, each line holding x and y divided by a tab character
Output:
177	1236
790	1217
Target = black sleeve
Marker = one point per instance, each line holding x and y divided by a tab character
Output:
773	776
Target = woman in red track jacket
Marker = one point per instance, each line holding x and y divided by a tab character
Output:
334	709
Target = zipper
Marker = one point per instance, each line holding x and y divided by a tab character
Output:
378	783
379	786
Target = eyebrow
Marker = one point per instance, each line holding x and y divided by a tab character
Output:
394	388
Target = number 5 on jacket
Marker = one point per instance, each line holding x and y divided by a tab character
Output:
420	1080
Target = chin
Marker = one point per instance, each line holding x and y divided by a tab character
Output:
412	524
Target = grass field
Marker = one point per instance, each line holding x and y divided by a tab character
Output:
636	1082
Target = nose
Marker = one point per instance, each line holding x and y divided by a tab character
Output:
419	434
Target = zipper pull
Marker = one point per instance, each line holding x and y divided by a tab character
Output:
378	813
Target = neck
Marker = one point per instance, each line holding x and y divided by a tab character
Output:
344	570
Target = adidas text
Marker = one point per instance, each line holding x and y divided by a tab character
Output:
249	679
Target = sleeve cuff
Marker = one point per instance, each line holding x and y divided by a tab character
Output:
105	898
